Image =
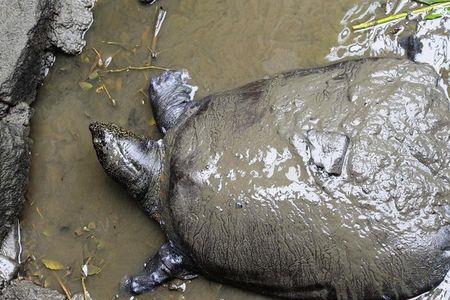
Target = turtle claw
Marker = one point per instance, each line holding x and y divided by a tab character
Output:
171	96
167	264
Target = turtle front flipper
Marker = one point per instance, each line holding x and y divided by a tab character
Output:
131	160
171	96
167	264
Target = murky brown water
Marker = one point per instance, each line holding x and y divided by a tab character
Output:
223	43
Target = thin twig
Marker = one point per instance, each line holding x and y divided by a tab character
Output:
111	99
99	57
39	212
65	289
161	16
143	93
83	284
132	68
121	45
400	16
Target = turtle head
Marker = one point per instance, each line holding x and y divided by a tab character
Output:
131	160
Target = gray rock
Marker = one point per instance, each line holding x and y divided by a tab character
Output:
14	164
10	247
9	255
8	268
71	21
26	290
23	45
29	33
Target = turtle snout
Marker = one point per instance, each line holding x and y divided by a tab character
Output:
98	134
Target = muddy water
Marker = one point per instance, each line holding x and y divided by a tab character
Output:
74	210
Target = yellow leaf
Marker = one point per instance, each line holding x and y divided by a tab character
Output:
52	264
152	122
85	58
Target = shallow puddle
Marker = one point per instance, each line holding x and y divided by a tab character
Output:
74	210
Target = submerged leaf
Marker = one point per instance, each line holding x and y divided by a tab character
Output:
52	264
90	227
152	122
85	86
94	75
85	58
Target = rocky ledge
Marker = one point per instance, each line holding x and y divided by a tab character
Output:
31	31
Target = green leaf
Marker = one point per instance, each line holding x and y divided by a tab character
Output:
433	16
430	2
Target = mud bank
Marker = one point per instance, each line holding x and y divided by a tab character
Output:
30	33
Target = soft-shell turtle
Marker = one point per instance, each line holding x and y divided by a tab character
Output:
327	183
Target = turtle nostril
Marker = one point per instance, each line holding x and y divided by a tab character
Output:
93	127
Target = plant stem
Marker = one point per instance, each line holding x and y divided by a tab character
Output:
130	68
399	16
110	98
61	284
158	24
